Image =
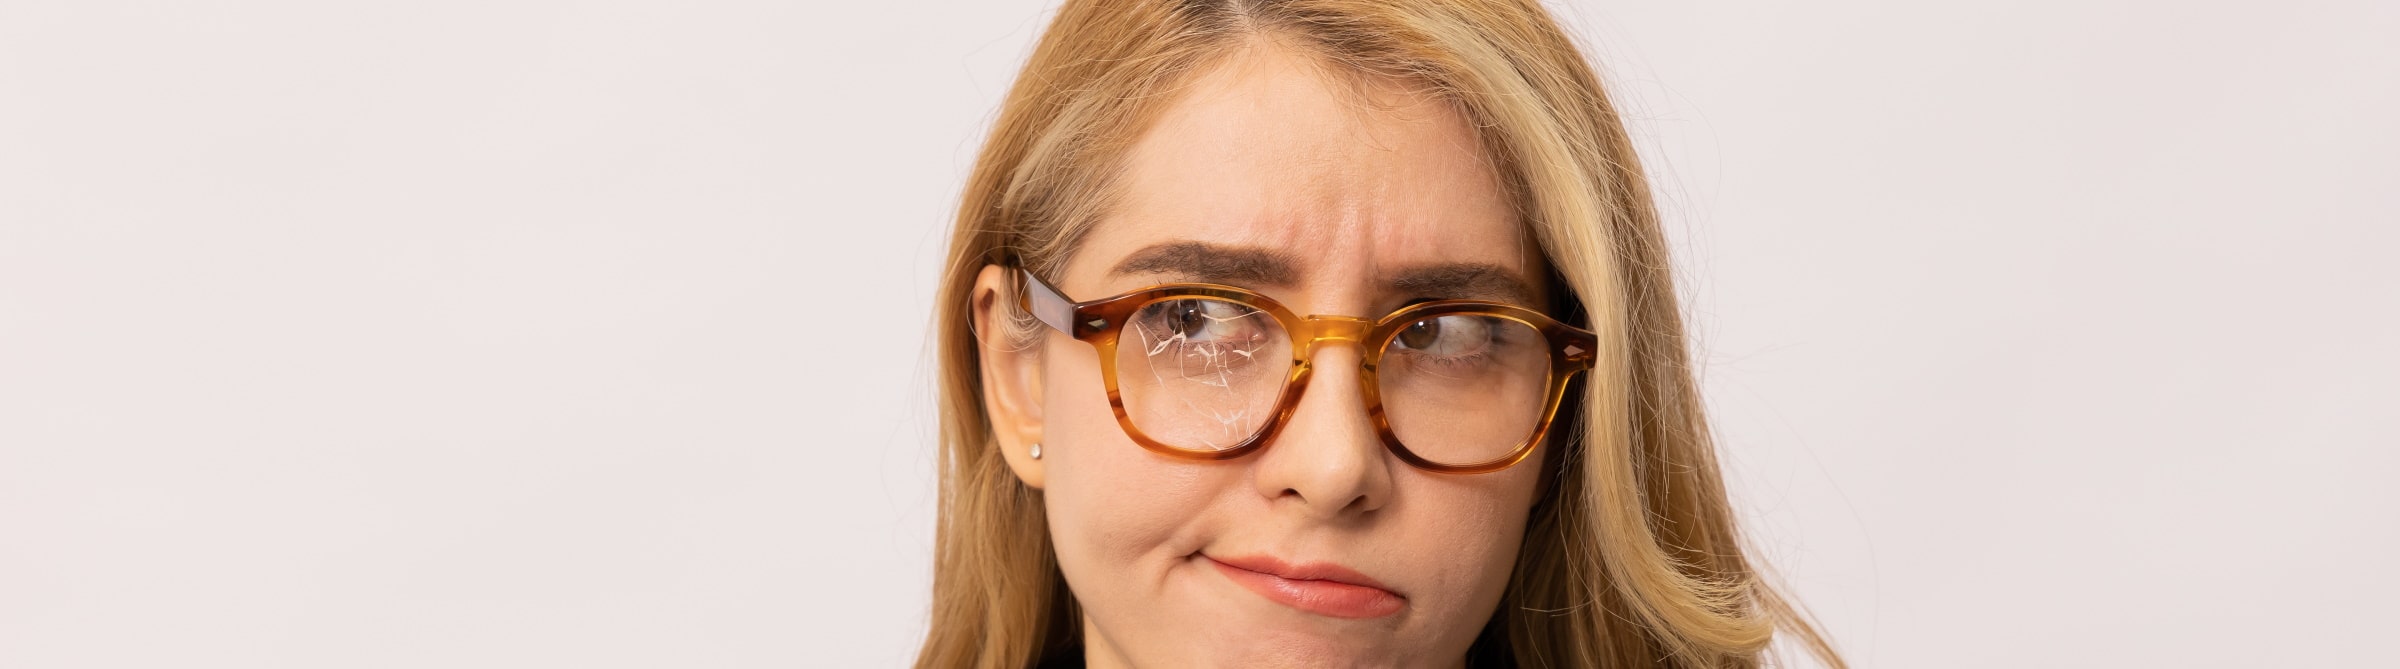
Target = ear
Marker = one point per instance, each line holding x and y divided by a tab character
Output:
1012	374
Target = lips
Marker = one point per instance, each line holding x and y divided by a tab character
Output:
1320	588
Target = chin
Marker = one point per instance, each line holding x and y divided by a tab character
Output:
1303	651
1318	643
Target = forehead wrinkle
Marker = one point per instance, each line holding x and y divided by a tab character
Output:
1355	179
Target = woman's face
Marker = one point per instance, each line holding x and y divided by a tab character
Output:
1263	175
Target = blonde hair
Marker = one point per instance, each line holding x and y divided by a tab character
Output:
1632	560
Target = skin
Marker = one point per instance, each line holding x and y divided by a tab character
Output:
1268	150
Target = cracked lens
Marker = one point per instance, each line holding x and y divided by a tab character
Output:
1201	373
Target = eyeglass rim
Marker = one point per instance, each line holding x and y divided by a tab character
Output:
1100	323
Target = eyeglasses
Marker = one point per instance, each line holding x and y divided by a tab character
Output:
1211	372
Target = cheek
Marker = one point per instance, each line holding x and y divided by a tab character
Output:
1117	512
1466	531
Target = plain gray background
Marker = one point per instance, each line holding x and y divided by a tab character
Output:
504	334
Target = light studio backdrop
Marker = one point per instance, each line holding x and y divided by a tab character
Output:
555	334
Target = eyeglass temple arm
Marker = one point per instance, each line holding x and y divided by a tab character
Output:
1048	305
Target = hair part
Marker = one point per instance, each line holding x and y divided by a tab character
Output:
1631	558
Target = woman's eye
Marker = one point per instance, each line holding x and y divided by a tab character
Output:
1200	320
1446	336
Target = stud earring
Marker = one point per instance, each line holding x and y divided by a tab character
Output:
1037	451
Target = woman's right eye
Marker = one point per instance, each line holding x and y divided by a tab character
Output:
1197	321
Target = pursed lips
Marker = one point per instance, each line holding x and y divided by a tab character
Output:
1317	587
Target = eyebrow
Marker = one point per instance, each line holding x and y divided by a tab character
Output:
1246	266
1212	263
1463	281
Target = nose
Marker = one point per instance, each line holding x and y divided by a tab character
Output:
1327	462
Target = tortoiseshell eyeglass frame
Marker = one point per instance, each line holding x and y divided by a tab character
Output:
1100	322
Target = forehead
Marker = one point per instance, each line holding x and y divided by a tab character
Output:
1356	179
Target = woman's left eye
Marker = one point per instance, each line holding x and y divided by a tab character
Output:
1446	336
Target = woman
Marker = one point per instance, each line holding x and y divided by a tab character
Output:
1323	333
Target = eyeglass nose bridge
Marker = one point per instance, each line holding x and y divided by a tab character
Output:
1321	328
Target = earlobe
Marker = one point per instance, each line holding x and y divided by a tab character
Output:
1011	369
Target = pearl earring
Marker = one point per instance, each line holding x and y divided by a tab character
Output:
1037	451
